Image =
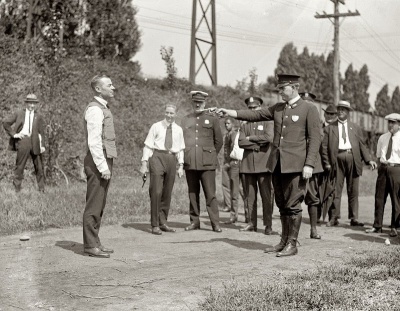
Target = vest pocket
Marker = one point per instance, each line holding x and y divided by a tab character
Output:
209	156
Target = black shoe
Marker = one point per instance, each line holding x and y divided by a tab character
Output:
96	252
249	228
231	221
192	227
217	229
165	228
269	231
374	230
156	231
356	223
393	233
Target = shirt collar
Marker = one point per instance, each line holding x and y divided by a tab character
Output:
166	123
293	100
101	101
343	122
27	111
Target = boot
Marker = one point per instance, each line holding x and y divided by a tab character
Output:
284	236
312	212
291	245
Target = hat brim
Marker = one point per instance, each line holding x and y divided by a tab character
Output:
347	107
31	101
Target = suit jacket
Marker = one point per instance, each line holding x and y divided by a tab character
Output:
203	141
330	145
257	149
297	135
18	120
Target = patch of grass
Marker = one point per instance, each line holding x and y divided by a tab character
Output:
368	281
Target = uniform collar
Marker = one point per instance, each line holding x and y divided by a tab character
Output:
293	101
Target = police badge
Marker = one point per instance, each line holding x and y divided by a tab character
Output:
295	118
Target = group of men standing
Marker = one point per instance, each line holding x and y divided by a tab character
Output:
286	153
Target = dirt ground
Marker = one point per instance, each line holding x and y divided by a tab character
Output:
168	272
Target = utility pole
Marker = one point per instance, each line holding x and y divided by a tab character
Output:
336	58
195	41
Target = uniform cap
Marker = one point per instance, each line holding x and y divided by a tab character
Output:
330	109
307	95
253	99
31	98
345	104
393	117
287	79
198	96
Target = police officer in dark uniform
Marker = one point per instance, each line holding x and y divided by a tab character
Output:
203	141
297	139
255	138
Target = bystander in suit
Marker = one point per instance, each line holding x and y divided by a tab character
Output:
26	129
293	154
203	141
388	181
163	150
98	162
225	171
256	138
343	150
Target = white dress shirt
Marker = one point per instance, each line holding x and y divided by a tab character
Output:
156	140
26	131
343	145
94	119
383	143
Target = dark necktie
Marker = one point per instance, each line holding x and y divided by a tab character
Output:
168	138
29	129
389	149
344	133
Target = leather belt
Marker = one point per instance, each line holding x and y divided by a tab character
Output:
345	150
391	164
164	151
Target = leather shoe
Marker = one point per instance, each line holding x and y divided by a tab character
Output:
356	223
225	209
230	221
332	223
165	228
393	232
156	231
192	227
96	252
269	231
249	228
217	229
374	230
106	250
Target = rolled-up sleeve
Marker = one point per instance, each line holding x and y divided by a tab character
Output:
94	121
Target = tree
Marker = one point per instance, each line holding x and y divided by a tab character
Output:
168	57
382	102
395	102
252	88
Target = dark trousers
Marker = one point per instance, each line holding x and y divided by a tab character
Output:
290	190
96	196
243	194
234	182
388	182
24	152
207	180
262	181
162	167
346	170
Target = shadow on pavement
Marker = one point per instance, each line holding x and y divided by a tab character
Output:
75	247
251	245
366	237
146	227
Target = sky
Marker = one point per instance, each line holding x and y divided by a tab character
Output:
251	34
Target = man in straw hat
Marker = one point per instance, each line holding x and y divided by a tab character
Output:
294	150
27	129
388	181
343	150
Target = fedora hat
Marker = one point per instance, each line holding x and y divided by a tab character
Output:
344	104
330	109
31	98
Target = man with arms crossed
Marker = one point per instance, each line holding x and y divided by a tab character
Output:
101	151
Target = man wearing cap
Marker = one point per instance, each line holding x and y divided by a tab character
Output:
203	141
163	150
293	154
388	181
98	162
27	138
255	138
343	150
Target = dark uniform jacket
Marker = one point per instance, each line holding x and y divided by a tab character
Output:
18	120
293	127
203	141
330	145
257	149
